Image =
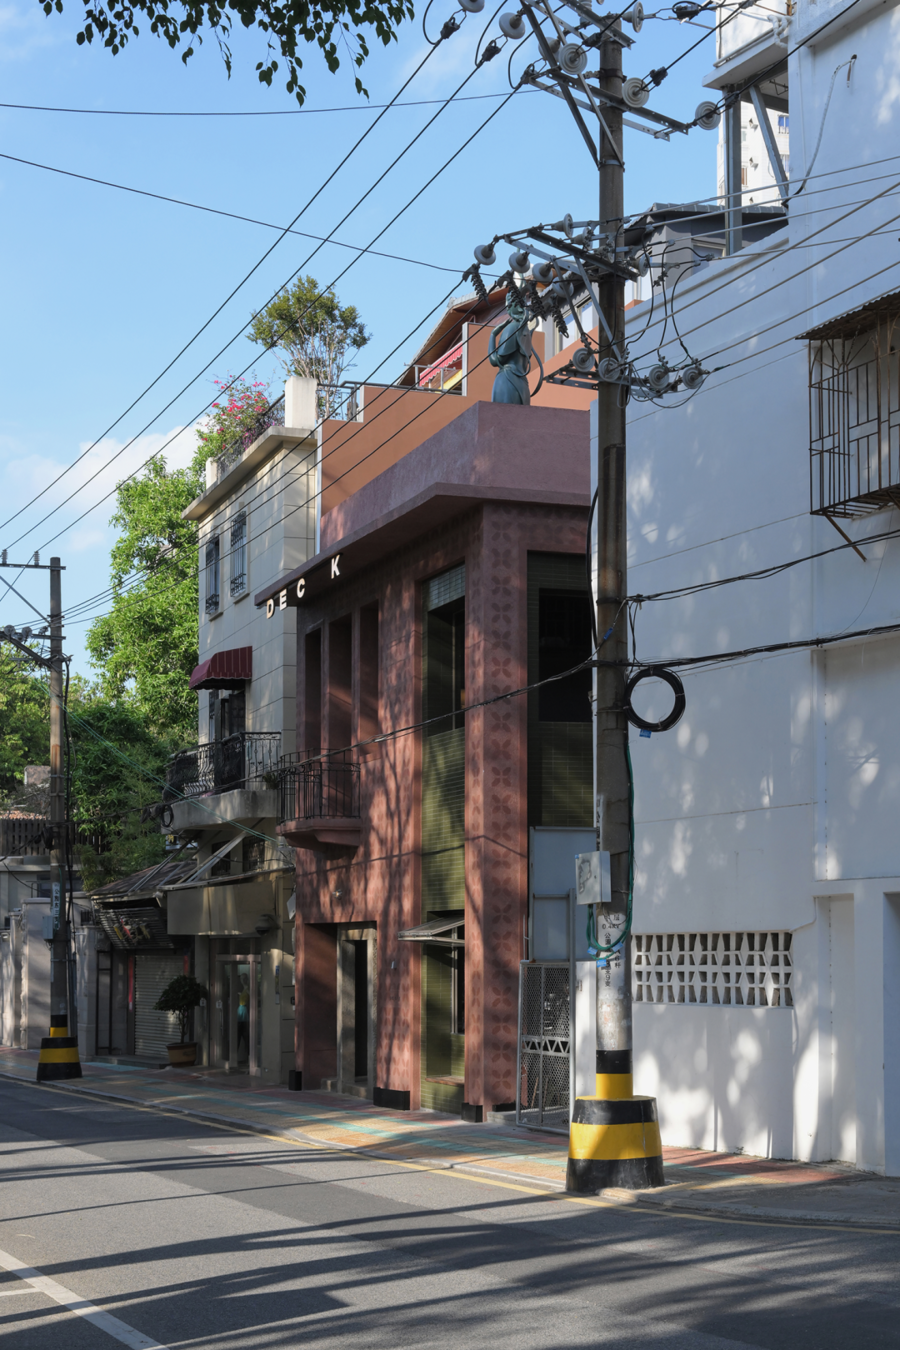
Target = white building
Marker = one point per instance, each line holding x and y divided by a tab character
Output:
767	905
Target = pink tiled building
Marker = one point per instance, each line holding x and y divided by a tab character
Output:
452	576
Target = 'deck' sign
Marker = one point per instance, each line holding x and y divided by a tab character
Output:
280	601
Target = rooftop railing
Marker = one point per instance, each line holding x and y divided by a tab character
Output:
272	416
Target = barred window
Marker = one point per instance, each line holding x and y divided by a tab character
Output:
212	575
239	554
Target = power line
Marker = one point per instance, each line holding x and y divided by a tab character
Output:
381	232
143	572
218	311
761	573
229	215
766	649
265	112
768	258
256	504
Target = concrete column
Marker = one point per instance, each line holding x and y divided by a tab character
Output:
300	402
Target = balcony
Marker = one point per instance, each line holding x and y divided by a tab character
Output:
270	417
320	805
240	770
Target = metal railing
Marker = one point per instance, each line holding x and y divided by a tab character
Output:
317	789
270	417
220	766
854	430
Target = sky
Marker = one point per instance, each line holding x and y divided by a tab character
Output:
101	288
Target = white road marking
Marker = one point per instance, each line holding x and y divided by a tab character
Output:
121	1331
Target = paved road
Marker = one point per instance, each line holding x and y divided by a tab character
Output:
123	1226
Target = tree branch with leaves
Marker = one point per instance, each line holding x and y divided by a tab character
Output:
287	26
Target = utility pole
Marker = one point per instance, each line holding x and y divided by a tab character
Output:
614	1136
614	1139
59	1050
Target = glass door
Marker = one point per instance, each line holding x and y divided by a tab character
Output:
238	1021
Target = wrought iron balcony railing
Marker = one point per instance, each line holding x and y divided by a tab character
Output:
221	766
320	789
272	416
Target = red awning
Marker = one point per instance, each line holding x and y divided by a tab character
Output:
224	670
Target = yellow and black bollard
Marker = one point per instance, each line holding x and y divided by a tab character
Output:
614	1137
59	1053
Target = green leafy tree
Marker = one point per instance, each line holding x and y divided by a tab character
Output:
117	763
24	722
314	334
289	26
147	645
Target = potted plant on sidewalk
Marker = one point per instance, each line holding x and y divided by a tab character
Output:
181	996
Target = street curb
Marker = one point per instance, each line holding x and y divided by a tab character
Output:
618	1199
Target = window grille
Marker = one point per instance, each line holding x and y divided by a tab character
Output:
784	124
239	554
718	969
212	575
854	411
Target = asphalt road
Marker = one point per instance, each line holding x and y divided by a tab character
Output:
124	1226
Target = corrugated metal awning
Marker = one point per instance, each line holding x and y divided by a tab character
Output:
850	323
224	669
434	931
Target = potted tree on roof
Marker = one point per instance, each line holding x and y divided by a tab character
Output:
181	996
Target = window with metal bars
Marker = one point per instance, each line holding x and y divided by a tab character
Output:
239	554
212	575
854	410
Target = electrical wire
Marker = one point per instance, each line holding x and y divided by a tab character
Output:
264	112
218	311
740	304
770	648
350	469
229	215
255	502
381	232
761	573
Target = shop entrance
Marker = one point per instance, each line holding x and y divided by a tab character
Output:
237	1021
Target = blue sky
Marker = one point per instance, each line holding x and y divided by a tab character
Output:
101	288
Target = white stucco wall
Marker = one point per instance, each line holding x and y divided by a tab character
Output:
774	803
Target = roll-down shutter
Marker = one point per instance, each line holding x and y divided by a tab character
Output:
153	1031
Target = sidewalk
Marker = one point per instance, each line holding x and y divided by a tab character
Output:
713	1183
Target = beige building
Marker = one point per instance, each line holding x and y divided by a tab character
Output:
221	906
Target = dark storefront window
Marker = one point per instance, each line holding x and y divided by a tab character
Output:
560	728
443	836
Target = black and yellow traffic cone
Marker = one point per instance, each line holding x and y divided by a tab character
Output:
614	1136
59	1053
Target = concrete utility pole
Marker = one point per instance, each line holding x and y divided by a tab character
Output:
59	1050
614	1139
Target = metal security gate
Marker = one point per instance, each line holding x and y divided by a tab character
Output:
543	1069
153	1031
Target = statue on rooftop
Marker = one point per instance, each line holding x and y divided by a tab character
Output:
509	349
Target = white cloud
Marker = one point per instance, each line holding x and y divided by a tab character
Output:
26	31
90	485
